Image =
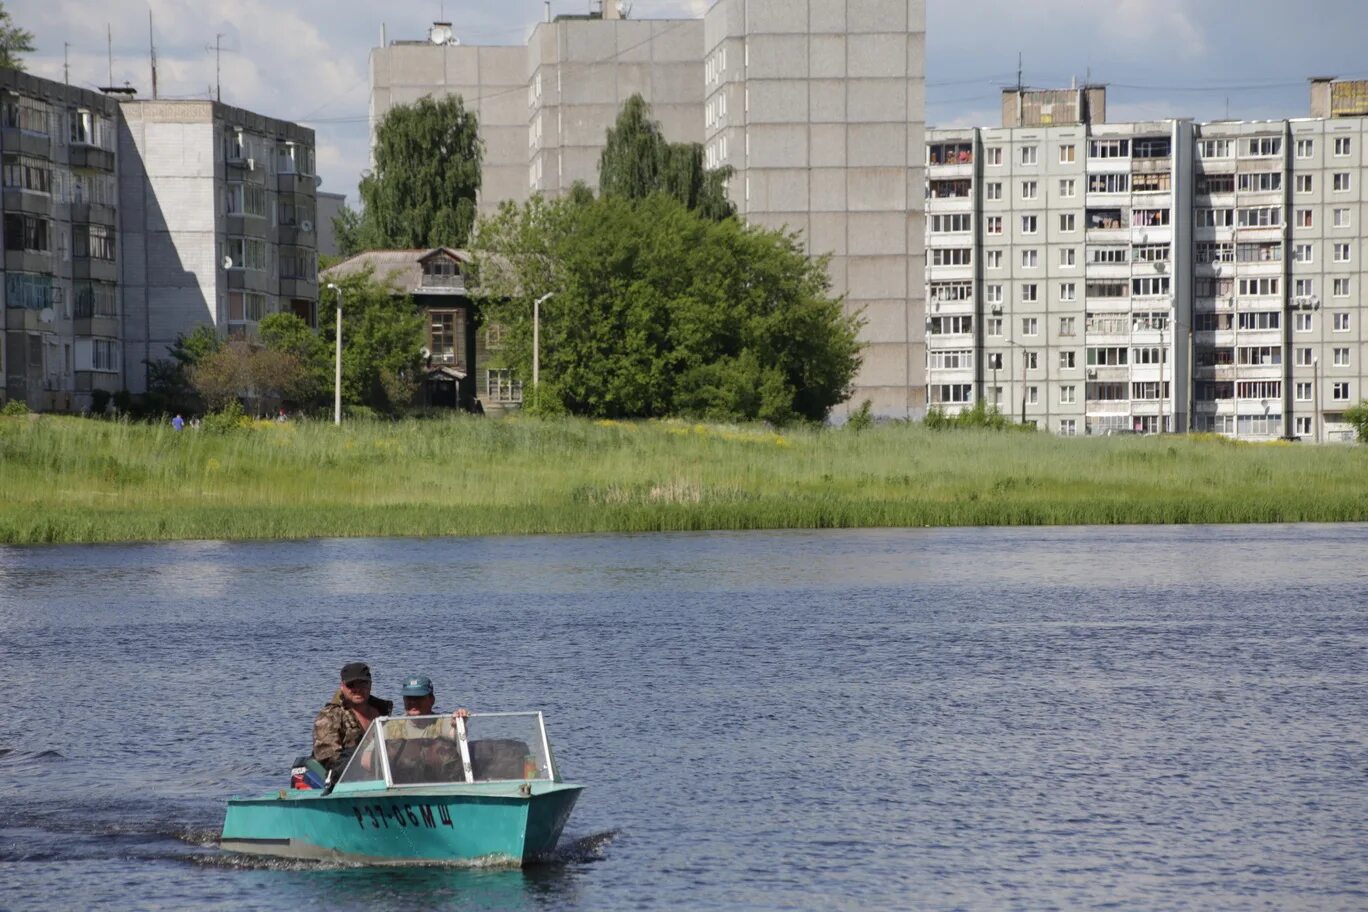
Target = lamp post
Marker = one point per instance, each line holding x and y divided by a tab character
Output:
337	369
536	342
1315	398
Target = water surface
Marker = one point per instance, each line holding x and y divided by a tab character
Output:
1160	718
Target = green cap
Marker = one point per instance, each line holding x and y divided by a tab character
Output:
418	686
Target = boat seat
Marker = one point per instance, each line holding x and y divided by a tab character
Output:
498	758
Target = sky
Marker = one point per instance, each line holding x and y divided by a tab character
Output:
307	60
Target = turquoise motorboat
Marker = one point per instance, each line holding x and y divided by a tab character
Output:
425	789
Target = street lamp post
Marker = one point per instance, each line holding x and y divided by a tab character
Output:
337	369
536	342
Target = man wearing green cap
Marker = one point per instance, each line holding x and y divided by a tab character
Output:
423	750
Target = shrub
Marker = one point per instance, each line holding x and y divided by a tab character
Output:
862	418
226	420
1357	416
99	402
15	407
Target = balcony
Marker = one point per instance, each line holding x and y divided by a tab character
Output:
12	139
16	200
296	183
432	283
91	157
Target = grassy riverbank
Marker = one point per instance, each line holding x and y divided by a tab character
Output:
74	480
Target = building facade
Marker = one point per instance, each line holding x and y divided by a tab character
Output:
1097	278
60	339
817	105
218	224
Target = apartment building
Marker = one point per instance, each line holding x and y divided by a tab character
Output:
816	104
1148	277
217	219
60	337
129	222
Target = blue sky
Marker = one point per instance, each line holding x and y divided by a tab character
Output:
307	60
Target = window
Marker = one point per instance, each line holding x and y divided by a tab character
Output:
95	299
1108	356
1102	289
955	359
247	253
1262	146
952	393
1032	393
501	386
1303	426
1259	252
1339	181
1260	319
1340	392
1303	392
1211	322
1341	253
1158	182
1341	357
992	190
1259	217
294	158
1152	147
993	155
993	259
24	173
27	232
1340	218
1341	321
1068	427
1149	218
1260	181
30	291
993	326
1068	360
1067	221
992	294
27	115
1029	224
104	354
1302	288
1068	291
1305	148
1030	190
1030	326
1340	288
1303	357
1148	355
95	241
1260	287
1343	144
1030	259
1150	253
1214	148
246	307
1215	183
1067	153
1302	323
955	153
994	361
1066	188
1258	355
1109	148
953	223
1218	288
298	263
952	326
1149	389
1303	219
1109	254
245	199
953	188
1068	256
1301	253
1215	218
1259	389
941	292
1150	286
1030	293
951	256
1106	392
1066	326
1305	183
1108	183
294	214
1028	155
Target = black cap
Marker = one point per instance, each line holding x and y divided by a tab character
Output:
356	671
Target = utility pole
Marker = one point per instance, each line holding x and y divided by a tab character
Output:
66	63
109	42
218	56
152	51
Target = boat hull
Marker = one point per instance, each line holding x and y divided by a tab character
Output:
505	824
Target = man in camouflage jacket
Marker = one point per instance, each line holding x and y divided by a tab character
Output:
338	727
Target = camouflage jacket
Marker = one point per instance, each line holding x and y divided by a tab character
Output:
335	729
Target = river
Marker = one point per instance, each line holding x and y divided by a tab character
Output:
1073	718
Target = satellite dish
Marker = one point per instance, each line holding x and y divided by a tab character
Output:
46	315
227	262
306	226
425	353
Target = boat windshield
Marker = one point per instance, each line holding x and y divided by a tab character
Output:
435	750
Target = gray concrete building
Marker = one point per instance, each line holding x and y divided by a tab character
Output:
1151	277
60	336
217	219
816	104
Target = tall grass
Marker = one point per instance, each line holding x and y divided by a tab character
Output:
73	480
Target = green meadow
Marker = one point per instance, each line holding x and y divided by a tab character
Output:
68	479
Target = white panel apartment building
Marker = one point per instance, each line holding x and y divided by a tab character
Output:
1165	276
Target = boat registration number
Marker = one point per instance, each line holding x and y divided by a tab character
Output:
405	815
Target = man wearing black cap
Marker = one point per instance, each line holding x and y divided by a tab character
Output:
339	726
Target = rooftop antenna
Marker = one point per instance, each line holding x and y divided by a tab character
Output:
109	40
1018	72
218	57
152	50
66	64
548	10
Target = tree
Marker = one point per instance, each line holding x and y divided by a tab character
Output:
13	42
638	161
285	332
660	311
427	175
243	372
169	387
1357	417
382	341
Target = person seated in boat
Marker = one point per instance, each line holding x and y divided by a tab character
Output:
426	749
338	727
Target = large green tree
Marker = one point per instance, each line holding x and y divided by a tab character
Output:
382	342
423	188
13	42
638	160
660	311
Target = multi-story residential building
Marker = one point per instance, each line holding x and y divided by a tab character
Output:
217	220
1164	276
817	105
60	337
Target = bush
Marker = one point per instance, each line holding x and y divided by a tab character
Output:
1357	416
863	417
15	407
228	419
981	415
99	402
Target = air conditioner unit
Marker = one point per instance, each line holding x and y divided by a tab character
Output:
1092	373
251	164
996	308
